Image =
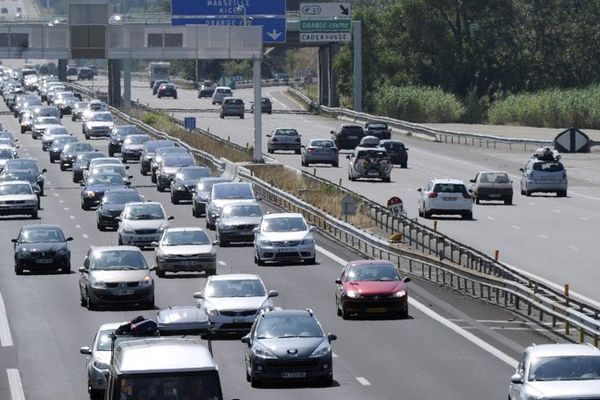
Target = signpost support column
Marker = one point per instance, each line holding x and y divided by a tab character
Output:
357	37
256	75
127	84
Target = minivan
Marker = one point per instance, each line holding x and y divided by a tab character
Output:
220	93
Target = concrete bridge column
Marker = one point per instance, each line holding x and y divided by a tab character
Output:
114	83
323	61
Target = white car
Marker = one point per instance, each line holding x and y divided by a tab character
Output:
142	224
284	237
233	301
98	124
101	161
40	124
557	371
183	250
51	133
445	197
18	198
369	163
6	153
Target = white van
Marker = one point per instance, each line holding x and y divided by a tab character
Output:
220	93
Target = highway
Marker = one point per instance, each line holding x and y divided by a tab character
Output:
551	237
450	347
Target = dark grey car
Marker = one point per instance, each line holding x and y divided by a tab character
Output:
288	345
232	107
237	223
185	182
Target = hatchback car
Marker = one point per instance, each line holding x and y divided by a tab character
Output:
206	89
117	137
371	287
142	224
82	162
347	136
167	90
185	182
491	186
220	93
42	247
70	151
31	164
185	250
99	124
171	163
369	163
223	194
557	371
266	107
202	194
284	139
115	275
379	129
288	345
284	237
232	302
544	174
113	203
160	154
132	147
237	223
232	107
320	151
397	152
57	146
445	197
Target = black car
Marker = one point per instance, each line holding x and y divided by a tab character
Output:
288	345
184	184
93	190
85	73
117	136
112	205
70	151
157	84
147	156
167	90
396	151
42	247
82	163
347	137
266	107
379	129
58	145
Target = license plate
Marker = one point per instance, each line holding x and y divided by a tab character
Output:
124	292
187	263
377	309
44	261
238	320
373	173
352	137
292	375
449	198
494	195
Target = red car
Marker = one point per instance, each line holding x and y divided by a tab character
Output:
371	287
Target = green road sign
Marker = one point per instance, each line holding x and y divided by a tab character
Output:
325	25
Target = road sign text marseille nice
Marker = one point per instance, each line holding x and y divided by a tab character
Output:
270	14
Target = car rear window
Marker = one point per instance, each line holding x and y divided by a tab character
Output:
449	188
394	146
548	166
286	132
352	130
493	177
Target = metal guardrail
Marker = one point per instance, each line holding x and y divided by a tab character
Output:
442	259
438	135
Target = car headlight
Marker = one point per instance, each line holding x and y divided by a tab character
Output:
24	252
179	186
100	365
127	229
97	284
62	252
259	351
55	149
400	293
266	243
89	193
308	242
322	350
146	282
211	311
353	294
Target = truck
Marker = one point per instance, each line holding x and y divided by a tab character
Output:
159	70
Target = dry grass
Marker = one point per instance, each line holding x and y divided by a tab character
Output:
324	196
205	143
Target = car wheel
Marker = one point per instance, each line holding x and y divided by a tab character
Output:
87	137
207	224
223	243
120	241
100	227
194	212
73	118
66	269
149	305
62	167
345	313
468	215
175	97
385	179
561	193
159	96
338	310
174	199
508	201
111	153
211	272
255	382
528	193
52	160
311	261
153	178
270	151
296	151
242	116
248	377
476	198
426	214
84	206
82	301
335	165
403	165
18	271
159	187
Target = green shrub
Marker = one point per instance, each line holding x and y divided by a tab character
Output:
150	119
551	108
418	104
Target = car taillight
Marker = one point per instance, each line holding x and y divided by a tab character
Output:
432	195
310	150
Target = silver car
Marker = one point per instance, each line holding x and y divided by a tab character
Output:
544	175
168	169
142	224
133	146
185	250
284	237
320	151
40	124
98	359
159	156
115	275
233	301
284	139
99	124
223	194
237	223
18	198
369	163
202	194
557	371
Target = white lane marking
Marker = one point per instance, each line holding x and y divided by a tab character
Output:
363	381
72	216
5	336
85	236
66	208
574	248
444	321
78	226
516	227
16	386
279	102
531	203
543	237
583	219
222	263
61	201
334	355
490	218
55	194
556	210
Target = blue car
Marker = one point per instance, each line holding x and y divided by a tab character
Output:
94	188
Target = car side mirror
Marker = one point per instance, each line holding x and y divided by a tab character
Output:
14	240
472	180
246	339
312	228
154	267
521	169
82	269
69	239
255	230
198	295
273	293
127	167
171	218
419	190
331	337
44	170
406	148
216	242
85	350
118	219
516	379
406	279
338	281
81	183
127	183
331	132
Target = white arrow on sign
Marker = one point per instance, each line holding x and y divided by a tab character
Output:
274	35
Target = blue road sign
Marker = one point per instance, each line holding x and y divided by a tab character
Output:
273	28
228	7
189	122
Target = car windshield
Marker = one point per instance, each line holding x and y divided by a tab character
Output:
41	235
183	385
193	173
449	188
79	147
284	224
170	150
118	260
235	288
206	184
46	120
286	132
185	238
80	105
31	165
145	211
377	127
136	139
109	169
126	130
18	176
322	143
273	327
178	161
565	368
494	177
232	192
393	146
241	210
15	189
372	272
6	153
105	179
102	117
152	145
59	141
548	166
115	197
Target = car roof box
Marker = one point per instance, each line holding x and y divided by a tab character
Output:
546	154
